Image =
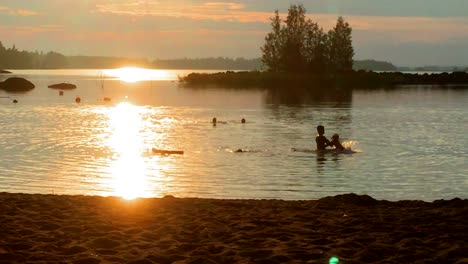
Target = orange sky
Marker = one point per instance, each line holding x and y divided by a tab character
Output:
403	32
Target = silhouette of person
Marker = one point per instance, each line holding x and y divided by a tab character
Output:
321	141
243	120
336	142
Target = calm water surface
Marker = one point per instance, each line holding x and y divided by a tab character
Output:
411	142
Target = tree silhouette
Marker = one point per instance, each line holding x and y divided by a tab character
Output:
316	48
272	49
295	30
299	45
341	49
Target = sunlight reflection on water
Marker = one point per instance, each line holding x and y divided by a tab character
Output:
128	170
50	144
134	74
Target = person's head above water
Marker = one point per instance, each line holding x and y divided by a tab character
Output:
320	129
214	120
243	120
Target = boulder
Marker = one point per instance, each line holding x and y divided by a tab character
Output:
3	71
16	84
62	86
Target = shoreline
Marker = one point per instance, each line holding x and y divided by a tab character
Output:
354	228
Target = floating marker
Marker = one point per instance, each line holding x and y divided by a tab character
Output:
78	100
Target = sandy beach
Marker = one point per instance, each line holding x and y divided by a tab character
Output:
354	228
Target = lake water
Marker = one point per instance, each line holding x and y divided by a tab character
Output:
411	142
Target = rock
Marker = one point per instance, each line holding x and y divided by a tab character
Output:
63	86
3	71
16	84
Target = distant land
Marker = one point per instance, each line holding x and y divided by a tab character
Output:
11	58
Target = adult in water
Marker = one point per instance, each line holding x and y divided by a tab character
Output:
321	141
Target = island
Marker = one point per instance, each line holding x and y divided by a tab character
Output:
298	53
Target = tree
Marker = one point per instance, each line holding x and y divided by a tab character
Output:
294	58
341	48
300	45
316	49
54	60
272	49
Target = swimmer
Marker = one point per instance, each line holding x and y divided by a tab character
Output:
243	120
336	142
321	140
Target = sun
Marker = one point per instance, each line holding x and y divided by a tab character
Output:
135	74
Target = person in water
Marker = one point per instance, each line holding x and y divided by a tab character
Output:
336	142
321	140
243	120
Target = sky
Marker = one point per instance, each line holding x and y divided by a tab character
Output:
404	32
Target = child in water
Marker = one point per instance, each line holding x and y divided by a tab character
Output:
336	142
321	140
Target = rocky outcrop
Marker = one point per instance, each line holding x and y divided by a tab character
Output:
16	84
62	86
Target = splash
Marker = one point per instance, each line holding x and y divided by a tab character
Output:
350	145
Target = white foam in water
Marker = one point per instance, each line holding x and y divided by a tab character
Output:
351	145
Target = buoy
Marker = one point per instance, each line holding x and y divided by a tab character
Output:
78	100
61	93
15	101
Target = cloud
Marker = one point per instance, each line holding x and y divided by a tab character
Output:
17	12
217	11
29	30
404	28
23	12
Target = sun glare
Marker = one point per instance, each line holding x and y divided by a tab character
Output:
134	74
128	169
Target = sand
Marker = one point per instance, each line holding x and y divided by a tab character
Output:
356	229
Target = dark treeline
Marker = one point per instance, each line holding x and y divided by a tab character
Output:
373	65
350	80
12	58
219	63
435	68
97	62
